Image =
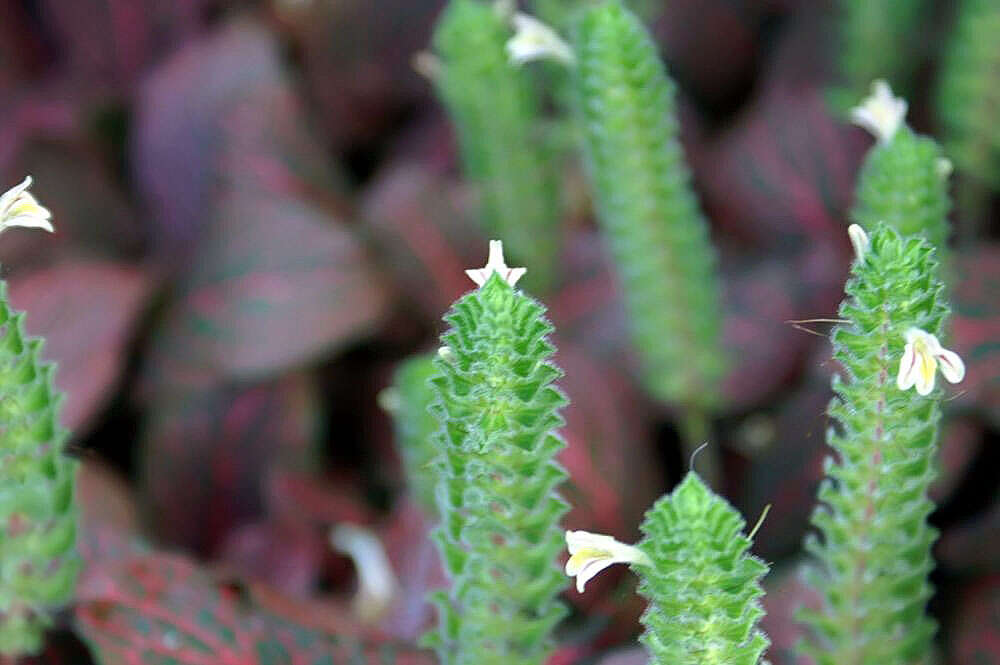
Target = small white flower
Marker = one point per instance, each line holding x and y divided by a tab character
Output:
533	40
376	581
859	240
590	553
496	264
881	113
921	357
19	208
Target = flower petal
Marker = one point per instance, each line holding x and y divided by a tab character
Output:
952	367
589	570
907	368
12	194
926	367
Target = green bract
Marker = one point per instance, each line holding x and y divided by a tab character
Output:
647	208
904	182
416	425
494	108
499	536
703	587
873	553
38	560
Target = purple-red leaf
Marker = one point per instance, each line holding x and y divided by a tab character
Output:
975	325
218	446
223	103
275	284
86	311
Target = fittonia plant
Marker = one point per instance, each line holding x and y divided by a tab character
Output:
703	587
38	562
498	412
872	556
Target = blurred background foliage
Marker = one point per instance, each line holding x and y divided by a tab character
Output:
260	214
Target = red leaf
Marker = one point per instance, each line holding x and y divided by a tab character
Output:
274	284
766	350
219	110
218	446
86	311
364	83
975	325
421	226
90	212
785	168
157	607
108	42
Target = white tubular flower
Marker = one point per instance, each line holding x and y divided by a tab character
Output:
590	553
859	240
921	357
376	581
19	208
496	264
881	113
533	40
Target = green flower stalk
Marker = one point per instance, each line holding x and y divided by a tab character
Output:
499	538
703	587
876	38
37	514
872	556
968	98
648	211
409	400
495	111
904	178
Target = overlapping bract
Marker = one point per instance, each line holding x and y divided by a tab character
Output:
904	183
872	556
499	535
969	95
703	587
38	560
494	108
647	208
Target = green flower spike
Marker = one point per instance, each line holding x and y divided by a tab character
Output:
872	553
703	587
499	537
38	560
494	107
